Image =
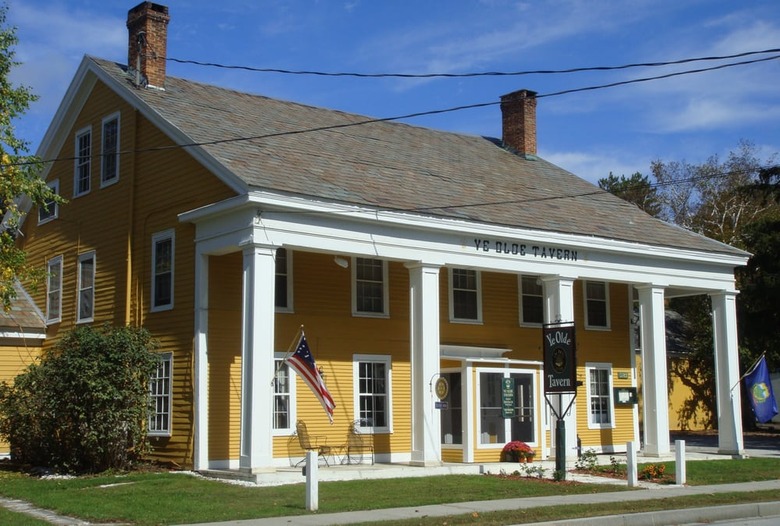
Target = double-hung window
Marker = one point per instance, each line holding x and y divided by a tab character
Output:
162	270
372	382
86	298
160	393
531	301
83	161
599	387
465	297
284	397
596	305
50	209
283	288
54	290
109	163
370	290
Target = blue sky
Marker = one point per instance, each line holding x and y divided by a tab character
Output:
619	130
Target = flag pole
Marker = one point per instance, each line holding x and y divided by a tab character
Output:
749	371
290	350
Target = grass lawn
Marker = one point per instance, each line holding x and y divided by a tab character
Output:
175	498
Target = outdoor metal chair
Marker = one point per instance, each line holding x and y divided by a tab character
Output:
358	444
312	442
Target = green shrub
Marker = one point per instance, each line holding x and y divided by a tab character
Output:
84	406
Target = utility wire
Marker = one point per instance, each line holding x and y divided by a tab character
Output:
472	74
415	114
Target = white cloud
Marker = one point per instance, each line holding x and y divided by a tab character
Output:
593	167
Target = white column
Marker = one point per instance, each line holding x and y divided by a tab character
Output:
654	371
559	306
201	388
424	318
257	358
729	401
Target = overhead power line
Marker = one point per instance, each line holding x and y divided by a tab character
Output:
415	114
472	74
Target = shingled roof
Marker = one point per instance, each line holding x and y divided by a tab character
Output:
334	156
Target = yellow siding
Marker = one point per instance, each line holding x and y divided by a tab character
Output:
605	346
117	222
14	359
679	393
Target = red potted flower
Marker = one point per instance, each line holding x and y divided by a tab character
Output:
517	451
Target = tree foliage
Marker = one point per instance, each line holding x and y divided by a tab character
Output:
636	189
736	202
84	407
19	173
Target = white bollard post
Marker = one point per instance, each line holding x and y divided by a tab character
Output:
312	481
679	462
631	468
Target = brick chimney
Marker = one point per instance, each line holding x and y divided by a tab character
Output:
147	27
518	119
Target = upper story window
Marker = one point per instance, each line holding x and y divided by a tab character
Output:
599	388
83	161
162	270
371	377
109	165
465	296
161	392
370	290
86	299
531	300
596	305
283	289
50	209
54	290
284	397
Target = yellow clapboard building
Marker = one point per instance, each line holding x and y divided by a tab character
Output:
422	266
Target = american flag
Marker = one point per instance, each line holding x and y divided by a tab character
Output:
303	363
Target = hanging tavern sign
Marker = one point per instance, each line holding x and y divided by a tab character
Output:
560	362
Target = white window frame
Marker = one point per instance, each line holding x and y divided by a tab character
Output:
522	294
87	256
53	212
292	380
52	263
114	117
288	276
82	162
385	291
156	238
599	366
163	394
477	291
358	359
605	300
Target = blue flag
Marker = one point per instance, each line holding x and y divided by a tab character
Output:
759	388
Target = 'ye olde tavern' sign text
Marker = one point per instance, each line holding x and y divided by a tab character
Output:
560	362
525	250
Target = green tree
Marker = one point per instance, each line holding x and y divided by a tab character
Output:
636	189
726	201
19	173
85	406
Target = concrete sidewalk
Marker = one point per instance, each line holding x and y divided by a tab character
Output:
480	507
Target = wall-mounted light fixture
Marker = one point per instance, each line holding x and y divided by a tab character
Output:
340	261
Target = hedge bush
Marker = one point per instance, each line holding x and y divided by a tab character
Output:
84	406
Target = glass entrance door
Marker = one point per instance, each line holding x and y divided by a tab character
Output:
494	428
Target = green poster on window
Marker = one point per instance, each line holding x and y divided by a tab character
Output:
508	397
